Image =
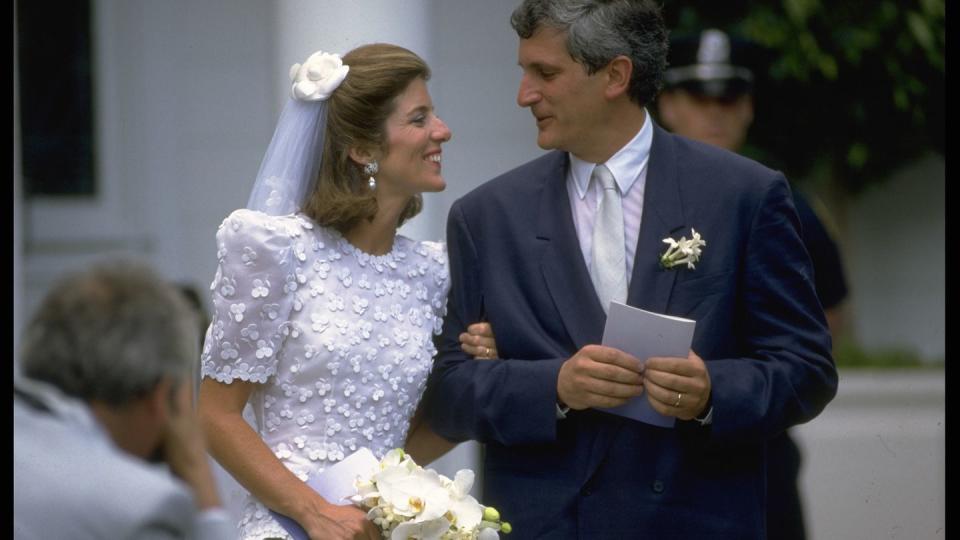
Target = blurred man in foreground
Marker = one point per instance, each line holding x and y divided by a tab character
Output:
103	400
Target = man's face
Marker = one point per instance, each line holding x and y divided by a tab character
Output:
563	98
720	122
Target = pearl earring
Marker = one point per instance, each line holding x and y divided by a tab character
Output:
371	169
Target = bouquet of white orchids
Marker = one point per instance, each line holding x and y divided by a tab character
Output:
407	501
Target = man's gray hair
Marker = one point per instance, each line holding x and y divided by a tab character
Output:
111	334
598	31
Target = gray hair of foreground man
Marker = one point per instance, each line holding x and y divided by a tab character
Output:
111	334
599	31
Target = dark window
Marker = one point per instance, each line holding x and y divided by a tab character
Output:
56	97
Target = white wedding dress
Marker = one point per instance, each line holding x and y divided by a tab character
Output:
340	340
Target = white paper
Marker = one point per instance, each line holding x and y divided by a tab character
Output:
336	485
644	334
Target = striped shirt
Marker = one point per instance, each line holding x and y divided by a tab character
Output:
629	168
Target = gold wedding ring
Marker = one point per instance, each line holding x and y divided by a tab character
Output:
679	397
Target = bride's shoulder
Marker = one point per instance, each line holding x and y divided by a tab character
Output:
436	251
253	224
432	262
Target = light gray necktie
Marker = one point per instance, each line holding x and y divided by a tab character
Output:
609	271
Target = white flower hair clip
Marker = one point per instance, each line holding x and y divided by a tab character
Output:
318	77
682	251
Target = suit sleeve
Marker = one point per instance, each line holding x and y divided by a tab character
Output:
506	401
788	376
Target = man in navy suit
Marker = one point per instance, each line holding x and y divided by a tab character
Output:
531	253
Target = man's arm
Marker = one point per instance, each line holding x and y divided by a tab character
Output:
509	401
186	453
786	375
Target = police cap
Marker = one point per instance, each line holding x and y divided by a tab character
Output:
710	64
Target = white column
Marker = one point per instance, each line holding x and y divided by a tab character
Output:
304	26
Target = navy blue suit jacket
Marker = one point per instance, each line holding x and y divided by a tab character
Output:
515	261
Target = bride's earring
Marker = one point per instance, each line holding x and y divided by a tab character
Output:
371	169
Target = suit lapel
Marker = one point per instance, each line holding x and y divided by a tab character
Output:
650	285
563	267
562	264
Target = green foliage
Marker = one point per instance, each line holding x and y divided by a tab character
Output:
854	87
848	354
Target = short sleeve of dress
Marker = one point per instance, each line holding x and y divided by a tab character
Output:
253	295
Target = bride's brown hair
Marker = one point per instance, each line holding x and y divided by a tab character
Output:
356	118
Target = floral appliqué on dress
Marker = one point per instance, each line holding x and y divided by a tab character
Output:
339	340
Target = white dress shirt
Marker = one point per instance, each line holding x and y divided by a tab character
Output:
629	168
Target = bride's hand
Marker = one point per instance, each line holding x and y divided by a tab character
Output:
478	341
328	522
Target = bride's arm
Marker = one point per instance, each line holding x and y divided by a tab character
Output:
241	451
423	443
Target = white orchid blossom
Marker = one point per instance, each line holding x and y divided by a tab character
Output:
683	251
418	494
467	512
407	501
426	530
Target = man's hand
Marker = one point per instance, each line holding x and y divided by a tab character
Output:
599	376
478	341
678	387
184	447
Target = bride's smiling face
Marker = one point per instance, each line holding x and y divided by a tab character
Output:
414	135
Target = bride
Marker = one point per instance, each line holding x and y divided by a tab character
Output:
323	315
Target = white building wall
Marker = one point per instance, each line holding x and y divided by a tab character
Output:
897	260
205	116
63	234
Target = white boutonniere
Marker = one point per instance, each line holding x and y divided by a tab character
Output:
682	251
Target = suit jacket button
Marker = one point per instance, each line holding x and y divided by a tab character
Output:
657	486
587	491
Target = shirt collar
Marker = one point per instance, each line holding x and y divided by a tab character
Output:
626	165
